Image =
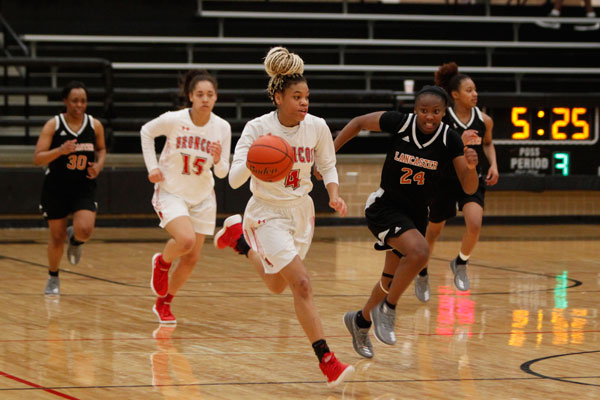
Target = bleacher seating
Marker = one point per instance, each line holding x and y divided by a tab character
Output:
363	54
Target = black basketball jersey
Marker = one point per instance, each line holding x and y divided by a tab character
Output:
476	123
415	160
73	167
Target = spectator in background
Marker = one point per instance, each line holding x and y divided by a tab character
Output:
72	144
589	13
184	196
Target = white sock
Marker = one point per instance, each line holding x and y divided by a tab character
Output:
591	14
463	257
555	13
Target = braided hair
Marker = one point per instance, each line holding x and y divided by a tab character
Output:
284	68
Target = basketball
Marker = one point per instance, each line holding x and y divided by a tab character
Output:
270	158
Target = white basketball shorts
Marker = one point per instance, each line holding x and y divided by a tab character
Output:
169	206
279	232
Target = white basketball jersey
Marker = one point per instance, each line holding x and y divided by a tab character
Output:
312	143
185	161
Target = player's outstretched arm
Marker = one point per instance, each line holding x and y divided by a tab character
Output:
368	122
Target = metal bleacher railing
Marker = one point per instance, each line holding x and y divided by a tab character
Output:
240	98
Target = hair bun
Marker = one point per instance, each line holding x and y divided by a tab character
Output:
279	61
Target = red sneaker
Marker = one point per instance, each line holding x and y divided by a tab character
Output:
230	233
159	281
164	314
334	370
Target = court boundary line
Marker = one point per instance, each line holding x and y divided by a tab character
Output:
35	386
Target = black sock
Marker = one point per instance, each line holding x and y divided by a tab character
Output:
460	261
361	321
75	242
242	247
423	272
321	348
392	306
53	273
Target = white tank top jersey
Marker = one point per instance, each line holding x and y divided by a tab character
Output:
185	161
312	143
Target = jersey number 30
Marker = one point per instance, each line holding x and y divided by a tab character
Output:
77	162
409	178
196	166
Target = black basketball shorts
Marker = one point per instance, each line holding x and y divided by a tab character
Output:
449	196
59	199
386	219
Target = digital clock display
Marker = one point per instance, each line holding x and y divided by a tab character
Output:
549	140
551	125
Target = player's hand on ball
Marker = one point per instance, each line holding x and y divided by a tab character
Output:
339	205
155	176
471	158
215	151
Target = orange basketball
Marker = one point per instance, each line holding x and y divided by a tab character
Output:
270	158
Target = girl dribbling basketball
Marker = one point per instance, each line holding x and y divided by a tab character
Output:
279	219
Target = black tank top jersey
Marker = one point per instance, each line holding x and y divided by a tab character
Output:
415	160
73	167
476	123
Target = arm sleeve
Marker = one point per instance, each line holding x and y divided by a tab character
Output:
150	130
239	173
222	167
325	155
392	121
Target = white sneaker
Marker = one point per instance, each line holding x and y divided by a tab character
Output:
550	24
592	26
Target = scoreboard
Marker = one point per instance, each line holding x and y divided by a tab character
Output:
559	139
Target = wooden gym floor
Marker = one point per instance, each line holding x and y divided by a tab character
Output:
527	329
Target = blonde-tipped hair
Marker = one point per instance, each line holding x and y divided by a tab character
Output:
283	67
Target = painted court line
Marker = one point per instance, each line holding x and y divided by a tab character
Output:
35	385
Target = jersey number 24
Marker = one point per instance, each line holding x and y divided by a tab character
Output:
407	178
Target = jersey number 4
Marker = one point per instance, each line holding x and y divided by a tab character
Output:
409	178
293	179
196	166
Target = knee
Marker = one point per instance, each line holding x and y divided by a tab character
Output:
302	287
186	243
84	233
420	255
278	289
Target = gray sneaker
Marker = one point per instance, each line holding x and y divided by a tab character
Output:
422	288
461	280
360	336
73	252
384	319
52	285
